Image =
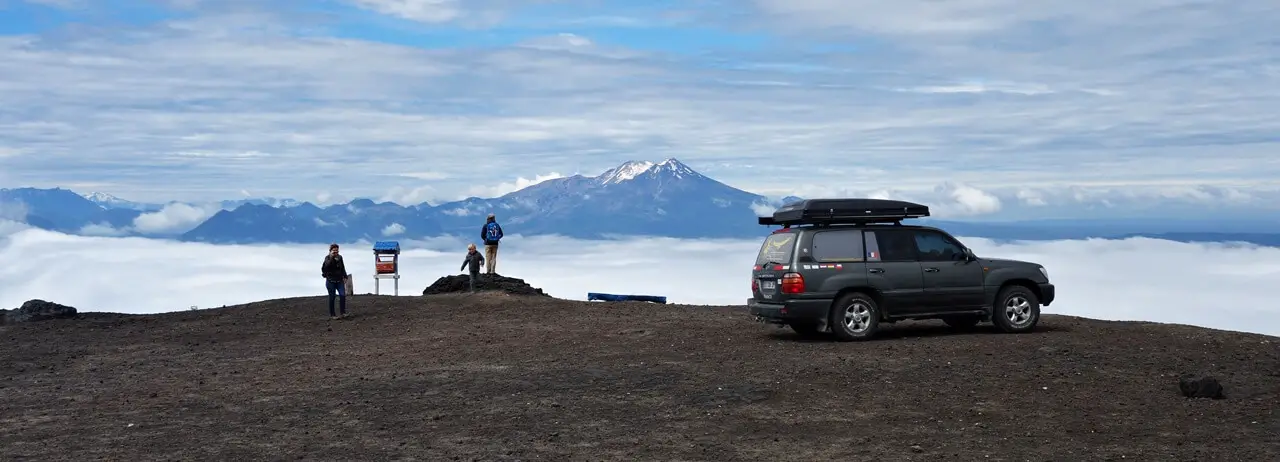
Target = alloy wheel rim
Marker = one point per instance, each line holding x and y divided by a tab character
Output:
1017	310
857	317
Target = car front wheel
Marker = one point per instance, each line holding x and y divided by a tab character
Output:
1016	310
854	316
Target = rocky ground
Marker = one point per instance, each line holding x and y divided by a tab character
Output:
500	377
459	283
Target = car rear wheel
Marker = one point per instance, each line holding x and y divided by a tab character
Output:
1017	310
854	316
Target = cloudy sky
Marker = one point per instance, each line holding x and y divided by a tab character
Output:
1030	102
1209	285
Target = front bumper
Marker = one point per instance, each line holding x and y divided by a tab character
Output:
1046	293
791	310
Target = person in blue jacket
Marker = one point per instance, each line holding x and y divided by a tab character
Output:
491	232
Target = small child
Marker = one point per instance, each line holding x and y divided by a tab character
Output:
474	259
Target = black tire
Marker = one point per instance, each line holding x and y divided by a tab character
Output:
806	329
859	310
962	322
1016	310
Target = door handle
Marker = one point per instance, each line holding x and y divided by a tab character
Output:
930	270
875	270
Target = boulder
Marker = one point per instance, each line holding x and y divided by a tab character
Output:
486	282
38	310
1193	386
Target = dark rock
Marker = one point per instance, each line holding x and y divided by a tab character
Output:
1200	387
38	310
486	282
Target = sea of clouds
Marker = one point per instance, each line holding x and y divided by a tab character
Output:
1225	286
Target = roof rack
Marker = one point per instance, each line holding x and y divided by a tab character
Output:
844	211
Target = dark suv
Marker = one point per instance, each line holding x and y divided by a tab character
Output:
847	265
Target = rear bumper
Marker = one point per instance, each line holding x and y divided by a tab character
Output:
792	310
1046	294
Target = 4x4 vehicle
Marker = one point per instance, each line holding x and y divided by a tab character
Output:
845	266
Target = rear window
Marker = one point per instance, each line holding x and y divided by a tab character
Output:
837	245
777	248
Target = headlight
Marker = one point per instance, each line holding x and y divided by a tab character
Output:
1045	272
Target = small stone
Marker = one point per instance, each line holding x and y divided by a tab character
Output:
1193	386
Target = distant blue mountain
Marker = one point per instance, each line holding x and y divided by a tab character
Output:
61	210
636	198
307	223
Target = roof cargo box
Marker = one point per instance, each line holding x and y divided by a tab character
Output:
845	211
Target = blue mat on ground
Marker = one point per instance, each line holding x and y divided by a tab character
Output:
592	296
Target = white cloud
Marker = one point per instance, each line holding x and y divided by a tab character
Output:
429	11
10	227
411	196
967	200
1031	197
101	229
762	209
1212	285
174	218
424	175
507	188
394	229
993	94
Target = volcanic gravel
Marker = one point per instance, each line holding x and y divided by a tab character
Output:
498	377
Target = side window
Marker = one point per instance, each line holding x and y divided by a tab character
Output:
935	246
873	247
837	245
890	245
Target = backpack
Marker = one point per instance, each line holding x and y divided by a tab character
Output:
491	231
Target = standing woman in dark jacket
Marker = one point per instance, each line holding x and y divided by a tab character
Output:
335	274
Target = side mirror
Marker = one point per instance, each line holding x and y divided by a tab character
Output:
968	255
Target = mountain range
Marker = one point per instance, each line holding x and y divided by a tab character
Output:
644	198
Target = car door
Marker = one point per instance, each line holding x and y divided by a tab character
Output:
833	259
893	270
951	281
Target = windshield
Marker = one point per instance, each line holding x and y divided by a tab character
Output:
777	248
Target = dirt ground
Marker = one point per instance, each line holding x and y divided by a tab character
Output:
500	377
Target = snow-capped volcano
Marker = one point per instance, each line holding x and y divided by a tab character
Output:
635	198
635	169
109	201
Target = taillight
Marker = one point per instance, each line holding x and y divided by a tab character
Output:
755	285
792	283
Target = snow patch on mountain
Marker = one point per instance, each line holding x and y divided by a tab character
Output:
669	169
625	172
